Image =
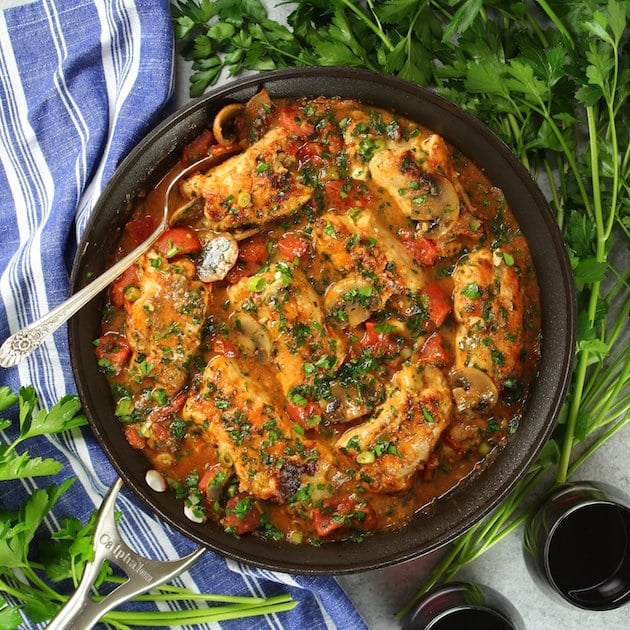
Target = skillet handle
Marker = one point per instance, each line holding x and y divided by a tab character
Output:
81	612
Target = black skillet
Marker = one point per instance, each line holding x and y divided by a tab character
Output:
455	513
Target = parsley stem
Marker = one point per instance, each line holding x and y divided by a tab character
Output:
600	256
518	138
366	20
569	154
167	592
374	15
200	615
531	20
556	20
609	405
574	408
602	439
39	584
22	594
557	204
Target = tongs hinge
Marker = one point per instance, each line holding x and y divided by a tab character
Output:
81	612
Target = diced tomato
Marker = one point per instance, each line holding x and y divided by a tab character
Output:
343	195
430	467
343	513
159	414
292	247
382	342
325	524
252	255
371	336
222	345
424	250
160	431
241	515
437	306
433	350
113	348
133	437
453	443
126	279
253	250
139	230
178	241
305	415
238	272
198	148
293	124
337	194
307	153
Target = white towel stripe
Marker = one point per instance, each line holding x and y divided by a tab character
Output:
32	187
65	95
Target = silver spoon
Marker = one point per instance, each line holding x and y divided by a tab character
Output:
22	343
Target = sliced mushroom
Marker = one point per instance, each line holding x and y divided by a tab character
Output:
351	300
188	213
347	402
473	390
260	102
217	257
240	123
223	124
436	200
424	194
252	334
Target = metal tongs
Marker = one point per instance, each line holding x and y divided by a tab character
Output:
81	612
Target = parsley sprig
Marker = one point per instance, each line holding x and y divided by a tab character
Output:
38	573
550	77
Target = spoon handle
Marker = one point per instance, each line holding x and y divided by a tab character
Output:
22	343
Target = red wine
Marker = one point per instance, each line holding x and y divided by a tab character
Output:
589	555
471	618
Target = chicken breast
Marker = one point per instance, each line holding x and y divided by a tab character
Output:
417	182
362	244
164	322
401	434
289	312
238	415
488	304
253	187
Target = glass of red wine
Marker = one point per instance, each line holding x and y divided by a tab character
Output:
460	605
577	545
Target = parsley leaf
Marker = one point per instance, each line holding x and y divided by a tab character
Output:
33	422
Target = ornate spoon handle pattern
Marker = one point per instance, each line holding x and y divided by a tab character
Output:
21	344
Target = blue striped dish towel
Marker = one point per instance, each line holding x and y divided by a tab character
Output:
81	81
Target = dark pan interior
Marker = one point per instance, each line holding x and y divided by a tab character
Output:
455	513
